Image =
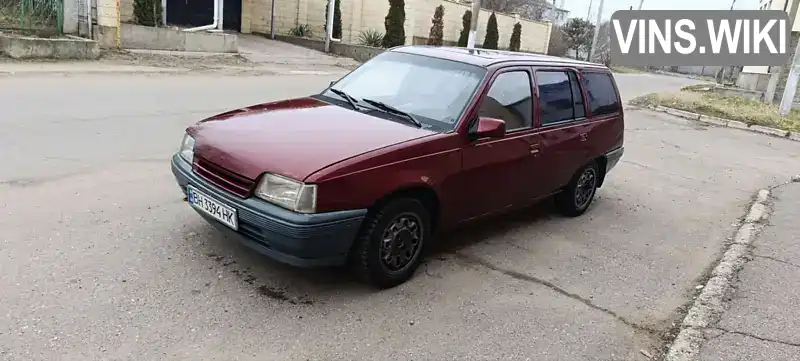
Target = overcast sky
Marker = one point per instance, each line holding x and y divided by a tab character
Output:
579	8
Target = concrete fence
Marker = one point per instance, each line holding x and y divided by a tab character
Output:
362	15
357	16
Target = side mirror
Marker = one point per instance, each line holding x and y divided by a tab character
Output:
490	128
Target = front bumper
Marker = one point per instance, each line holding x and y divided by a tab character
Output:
303	240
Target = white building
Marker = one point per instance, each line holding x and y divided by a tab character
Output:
756	77
544	10
561	14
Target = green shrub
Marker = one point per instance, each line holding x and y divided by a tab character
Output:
302	30
395	19
466	21
371	37
148	12
492	35
516	38
436	35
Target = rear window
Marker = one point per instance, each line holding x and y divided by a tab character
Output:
601	93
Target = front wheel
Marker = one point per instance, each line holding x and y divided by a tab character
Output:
576	197
390	246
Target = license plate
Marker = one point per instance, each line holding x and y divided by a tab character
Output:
213	207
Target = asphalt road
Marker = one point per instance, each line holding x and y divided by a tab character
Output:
101	259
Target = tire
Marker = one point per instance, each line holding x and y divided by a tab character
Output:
572	203
370	259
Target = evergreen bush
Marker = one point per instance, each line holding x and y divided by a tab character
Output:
148	12
516	38
437	29
466	21
492	35
395	19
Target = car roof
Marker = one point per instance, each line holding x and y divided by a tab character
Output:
486	58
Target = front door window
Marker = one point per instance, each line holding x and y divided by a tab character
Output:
510	100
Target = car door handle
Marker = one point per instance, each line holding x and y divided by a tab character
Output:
535	148
584	137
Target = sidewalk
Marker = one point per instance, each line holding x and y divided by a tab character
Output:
258	56
763	320
261	50
186	66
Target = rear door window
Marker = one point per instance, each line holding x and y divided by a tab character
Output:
560	96
601	92
577	96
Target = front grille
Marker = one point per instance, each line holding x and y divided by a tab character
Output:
223	178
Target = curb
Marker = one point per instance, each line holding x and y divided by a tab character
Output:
727	123
709	305
681	75
185	54
155	72
89	71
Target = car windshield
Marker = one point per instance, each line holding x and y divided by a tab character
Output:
431	90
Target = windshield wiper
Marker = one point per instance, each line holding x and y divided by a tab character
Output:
346	97
394	110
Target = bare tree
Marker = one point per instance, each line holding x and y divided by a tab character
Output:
534	10
528	9
503	6
557	45
602	52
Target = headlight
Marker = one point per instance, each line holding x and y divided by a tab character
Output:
288	193
187	148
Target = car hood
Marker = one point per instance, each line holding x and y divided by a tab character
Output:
294	138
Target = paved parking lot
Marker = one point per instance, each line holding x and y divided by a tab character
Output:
101	259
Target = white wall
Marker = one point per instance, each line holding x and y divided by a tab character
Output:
361	15
772	5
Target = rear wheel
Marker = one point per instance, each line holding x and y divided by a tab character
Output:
576	197
390	246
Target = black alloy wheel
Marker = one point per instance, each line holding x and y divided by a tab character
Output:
578	195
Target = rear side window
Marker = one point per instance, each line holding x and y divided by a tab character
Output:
560	96
601	92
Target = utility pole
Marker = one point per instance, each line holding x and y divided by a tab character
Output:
329	27
473	25
775	71
791	83
272	20
596	31
640	4
724	68
589	12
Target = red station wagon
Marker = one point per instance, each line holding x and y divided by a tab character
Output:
415	141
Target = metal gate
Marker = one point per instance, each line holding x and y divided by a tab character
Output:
32	15
192	13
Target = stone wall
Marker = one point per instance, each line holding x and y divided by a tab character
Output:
757	78
362	15
357	16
